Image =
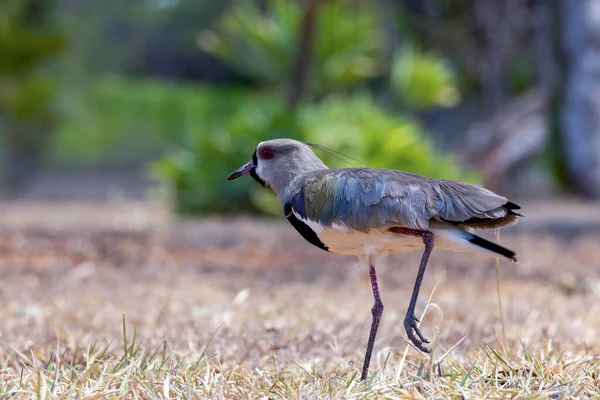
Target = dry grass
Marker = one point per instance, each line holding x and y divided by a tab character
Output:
207	311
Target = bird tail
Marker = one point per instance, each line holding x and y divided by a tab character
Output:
493	247
455	239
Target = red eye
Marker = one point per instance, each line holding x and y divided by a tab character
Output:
266	153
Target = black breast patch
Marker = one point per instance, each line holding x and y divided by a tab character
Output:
302	228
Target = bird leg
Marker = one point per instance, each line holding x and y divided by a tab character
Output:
410	320
377	312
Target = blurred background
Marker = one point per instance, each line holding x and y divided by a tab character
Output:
120	121
161	99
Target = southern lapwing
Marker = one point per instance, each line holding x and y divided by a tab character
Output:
369	212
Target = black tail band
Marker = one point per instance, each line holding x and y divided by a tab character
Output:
493	247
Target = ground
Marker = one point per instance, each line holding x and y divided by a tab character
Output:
123	301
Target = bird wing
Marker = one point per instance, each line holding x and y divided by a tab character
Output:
474	206
365	198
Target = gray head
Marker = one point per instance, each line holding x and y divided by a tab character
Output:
277	162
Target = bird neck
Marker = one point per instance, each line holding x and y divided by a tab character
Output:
294	173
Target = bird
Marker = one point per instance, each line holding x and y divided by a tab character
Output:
372	212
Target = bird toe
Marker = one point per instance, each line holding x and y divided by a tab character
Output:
411	327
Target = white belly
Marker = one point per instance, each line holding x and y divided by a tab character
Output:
379	242
376	242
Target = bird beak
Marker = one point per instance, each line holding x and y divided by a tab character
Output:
245	170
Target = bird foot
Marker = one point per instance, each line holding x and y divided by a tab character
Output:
410	324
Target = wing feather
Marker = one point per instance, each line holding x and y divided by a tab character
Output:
364	198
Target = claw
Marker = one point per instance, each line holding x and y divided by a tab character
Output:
423	348
420	335
410	324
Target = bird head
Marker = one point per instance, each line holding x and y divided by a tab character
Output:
275	163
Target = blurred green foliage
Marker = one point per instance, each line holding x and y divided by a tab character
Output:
115	119
25	46
422	80
338	113
358	127
354	125
198	169
29	41
208	131
262	45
